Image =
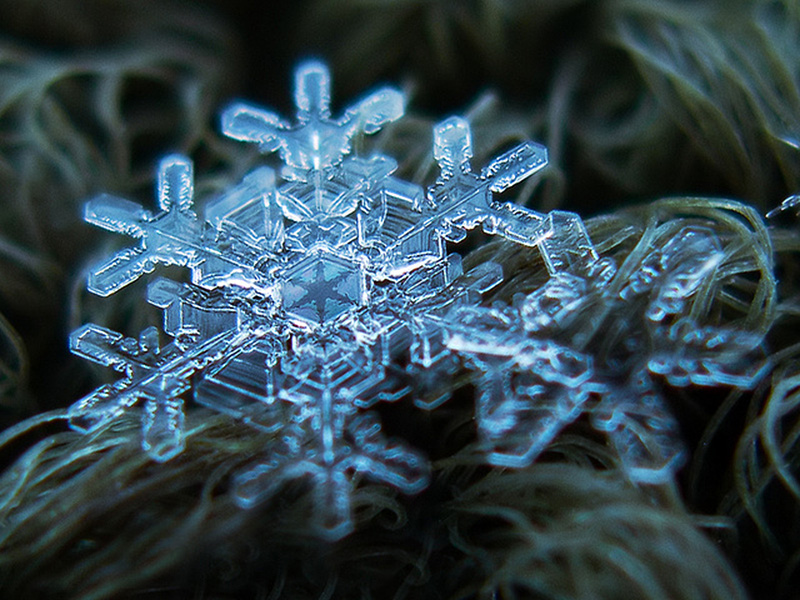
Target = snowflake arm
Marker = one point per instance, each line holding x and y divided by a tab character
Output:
316	142
166	238
708	356
163	420
641	429
528	389
328	441
157	375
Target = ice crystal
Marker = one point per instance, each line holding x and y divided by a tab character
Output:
305	289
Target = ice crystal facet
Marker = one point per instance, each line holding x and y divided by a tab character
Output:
306	288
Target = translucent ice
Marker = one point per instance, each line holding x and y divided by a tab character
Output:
641	429
316	141
689	354
676	271
319	291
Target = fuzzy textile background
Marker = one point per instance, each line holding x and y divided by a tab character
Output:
657	114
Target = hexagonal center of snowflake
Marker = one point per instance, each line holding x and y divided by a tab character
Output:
321	287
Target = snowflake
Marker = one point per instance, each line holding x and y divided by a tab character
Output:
304	290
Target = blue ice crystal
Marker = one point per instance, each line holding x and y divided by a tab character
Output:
307	287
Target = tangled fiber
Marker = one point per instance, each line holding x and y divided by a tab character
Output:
636	99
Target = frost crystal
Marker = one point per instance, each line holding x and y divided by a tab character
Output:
306	289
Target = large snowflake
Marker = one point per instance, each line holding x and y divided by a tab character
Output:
306	289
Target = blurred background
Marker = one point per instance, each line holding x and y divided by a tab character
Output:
636	100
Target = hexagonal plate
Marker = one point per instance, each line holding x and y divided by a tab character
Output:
322	287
